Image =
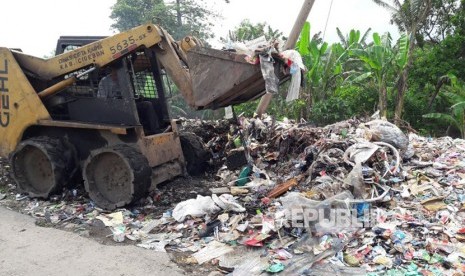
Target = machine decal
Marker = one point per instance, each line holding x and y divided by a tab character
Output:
125	46
4	97
125	51
82	56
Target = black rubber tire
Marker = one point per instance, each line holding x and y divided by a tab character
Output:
42	166
116	176
195	153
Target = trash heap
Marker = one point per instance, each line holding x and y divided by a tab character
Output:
352	198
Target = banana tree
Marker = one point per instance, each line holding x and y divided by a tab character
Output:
324	63
455	95
456	118
311	53
408	15
354	38
378	60
381	61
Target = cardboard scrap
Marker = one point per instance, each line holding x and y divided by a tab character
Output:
434	204
111	220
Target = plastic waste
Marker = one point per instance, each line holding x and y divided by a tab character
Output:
271	80
119	233
355	179
275	268
257	240
213	250
294	60
294	57
246	261
209	228
296	200
351	260
198	207
294	88
360	152
282	254
227	202
384	131
244	176
383	260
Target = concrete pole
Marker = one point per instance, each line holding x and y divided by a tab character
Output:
290	44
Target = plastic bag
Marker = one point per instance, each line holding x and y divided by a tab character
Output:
271	81
295	58
294	88
296	200
360	152
198	207
355	179
227	202
296	65
384	131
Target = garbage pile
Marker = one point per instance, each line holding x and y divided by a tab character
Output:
352	198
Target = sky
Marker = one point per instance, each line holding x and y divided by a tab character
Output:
35	26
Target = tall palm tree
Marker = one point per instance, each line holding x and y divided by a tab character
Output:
408	15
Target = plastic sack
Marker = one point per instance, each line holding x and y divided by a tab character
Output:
295	58
294	88
227	202
247	48
255	44
355	179
297	200
360	152
296	65
384	131
198	207
271	81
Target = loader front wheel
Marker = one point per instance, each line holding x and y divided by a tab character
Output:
42	166
116	176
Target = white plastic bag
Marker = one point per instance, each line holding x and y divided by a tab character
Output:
201	206
294	88
295	70
227	202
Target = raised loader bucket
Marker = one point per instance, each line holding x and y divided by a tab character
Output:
222	78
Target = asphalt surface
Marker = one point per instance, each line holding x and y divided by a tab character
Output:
27	249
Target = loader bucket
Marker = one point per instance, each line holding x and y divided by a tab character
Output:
223	78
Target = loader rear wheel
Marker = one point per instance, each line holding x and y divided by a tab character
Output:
195	154
116	176
42	166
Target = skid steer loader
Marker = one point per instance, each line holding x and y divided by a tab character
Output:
54	123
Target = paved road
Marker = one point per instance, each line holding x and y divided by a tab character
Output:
26	249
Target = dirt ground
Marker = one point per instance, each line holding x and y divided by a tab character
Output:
27	249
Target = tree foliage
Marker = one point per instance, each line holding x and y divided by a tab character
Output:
178	17
409	16
454	94
439	23
247	30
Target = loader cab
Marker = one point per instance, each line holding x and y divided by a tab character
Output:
139	101
69	43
